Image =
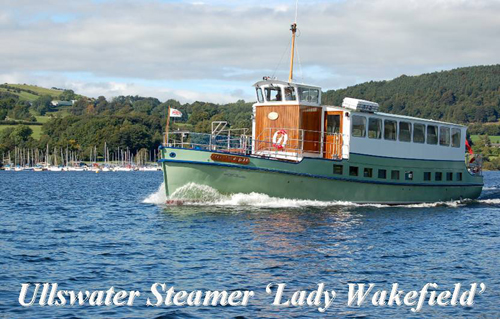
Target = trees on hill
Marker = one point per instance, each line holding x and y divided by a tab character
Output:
465	95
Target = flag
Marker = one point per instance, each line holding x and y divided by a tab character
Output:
467	145
175	113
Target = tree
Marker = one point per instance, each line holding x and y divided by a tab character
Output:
67	95
43	104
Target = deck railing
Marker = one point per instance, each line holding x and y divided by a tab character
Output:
292	147
474	163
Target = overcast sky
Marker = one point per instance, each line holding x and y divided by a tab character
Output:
215	50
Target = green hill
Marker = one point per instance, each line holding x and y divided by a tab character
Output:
27	92
464	95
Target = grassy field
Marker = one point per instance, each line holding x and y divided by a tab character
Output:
493	139
27	96
37	129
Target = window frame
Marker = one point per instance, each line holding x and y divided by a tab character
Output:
384	173
427	176
364	125
368	172
395	130
335	167
459	131
395	175
260	97
381	128
352	169
409	132
436	134
441	129
423	132
273	88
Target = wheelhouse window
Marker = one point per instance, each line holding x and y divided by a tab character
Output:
308	95
273	94
444	136
405	131
290	94
438	176
432	134
260	96
419	133
375	128
390	130
358	126
427	176
455	137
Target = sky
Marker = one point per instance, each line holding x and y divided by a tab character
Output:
216	50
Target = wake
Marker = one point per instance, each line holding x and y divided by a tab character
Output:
201	195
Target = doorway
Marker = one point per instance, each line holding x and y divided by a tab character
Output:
333	135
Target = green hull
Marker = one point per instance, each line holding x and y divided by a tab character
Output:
314	179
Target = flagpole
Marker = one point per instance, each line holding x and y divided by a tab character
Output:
166	128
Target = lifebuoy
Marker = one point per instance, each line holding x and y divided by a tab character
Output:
280	138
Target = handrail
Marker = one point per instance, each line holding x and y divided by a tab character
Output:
263	146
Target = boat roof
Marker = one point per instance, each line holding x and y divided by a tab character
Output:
403	117
275	81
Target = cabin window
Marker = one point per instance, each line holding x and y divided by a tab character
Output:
409	176
290	94
353	170
459	176
427	176
395	175
444	136
308	95
260	96
405	131
382	173
368	172
358	126
273	94
419	133
375	128
338	169
439	176
333	124
449	176
455	137
390	130
432	136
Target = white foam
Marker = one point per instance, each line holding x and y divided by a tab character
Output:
202	195
493	201
490	188
158	198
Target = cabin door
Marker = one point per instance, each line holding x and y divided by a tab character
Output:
333	135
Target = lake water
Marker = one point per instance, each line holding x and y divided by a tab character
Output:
88	231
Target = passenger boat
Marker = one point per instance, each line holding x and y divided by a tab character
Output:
302	149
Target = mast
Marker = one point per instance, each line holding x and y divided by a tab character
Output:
294	30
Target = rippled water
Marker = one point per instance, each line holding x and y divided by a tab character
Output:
90	231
